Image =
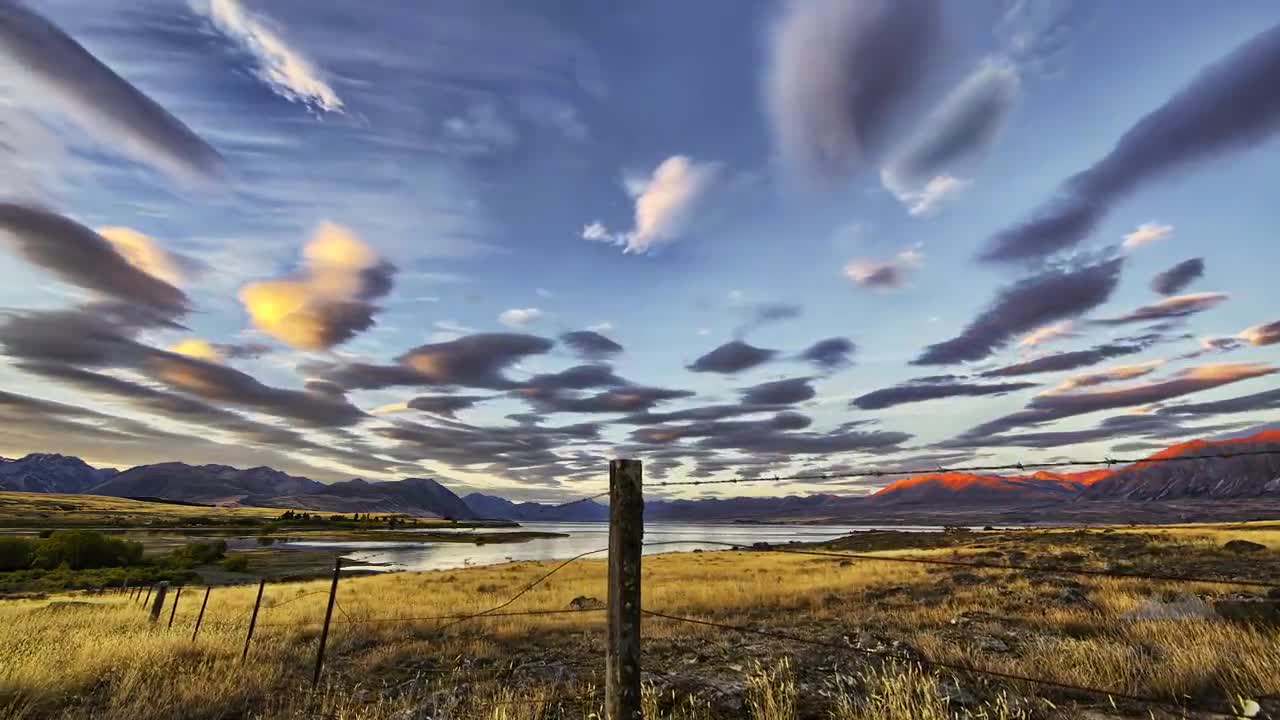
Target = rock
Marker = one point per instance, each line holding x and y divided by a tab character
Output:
582	602
991	644
1072	596
1249	611
761	546
987	528
1244	546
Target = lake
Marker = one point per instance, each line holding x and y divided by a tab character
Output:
580	537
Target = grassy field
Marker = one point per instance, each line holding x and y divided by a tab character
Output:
1137	637
19	509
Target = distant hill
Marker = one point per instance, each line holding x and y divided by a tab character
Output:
411	496
1230	478
492	507
211	484
958	488
50	473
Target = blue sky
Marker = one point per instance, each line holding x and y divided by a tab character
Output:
255	232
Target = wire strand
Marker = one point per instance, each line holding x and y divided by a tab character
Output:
1109	462
955	667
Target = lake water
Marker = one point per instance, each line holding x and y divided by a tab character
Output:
581	538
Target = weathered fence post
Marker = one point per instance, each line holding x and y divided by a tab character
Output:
200	617
328	614
158	605
174	609
147	599
253	620
626	539
125	587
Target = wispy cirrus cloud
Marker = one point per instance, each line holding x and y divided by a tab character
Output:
1178	306
519	317
1145	234
1265	334
891	273
283	68
1049	333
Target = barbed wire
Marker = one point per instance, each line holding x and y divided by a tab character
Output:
954	667
429	618
762	547
938	470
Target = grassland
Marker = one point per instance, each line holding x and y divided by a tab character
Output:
103	660
40	510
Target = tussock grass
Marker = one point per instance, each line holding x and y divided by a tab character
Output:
103	660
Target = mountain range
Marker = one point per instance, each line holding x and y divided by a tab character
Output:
1250	477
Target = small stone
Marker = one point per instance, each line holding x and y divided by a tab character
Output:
1244	546
991	644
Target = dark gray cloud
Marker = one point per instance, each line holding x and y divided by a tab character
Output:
1177	278
779	422
104	336
590	345
445	405
913	392
964	123
626	399
1119	426
84	258
99	100
1067	360
838	74
1055	294
1265	334
830	354
524	448
1257	402
701	413
1049	407
779	392
1178	306
579	377
733	357
769	440
1230	105
476	361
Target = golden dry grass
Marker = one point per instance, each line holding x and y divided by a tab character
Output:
106	661
33	509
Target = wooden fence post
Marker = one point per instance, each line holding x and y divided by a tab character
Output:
158	605
125	587
200	617
147	599
174	609
626	540
328	614
253	620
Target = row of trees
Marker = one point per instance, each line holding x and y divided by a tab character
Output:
85	550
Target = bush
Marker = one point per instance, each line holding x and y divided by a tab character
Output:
82	550
198	553
236	563
266	540
16	553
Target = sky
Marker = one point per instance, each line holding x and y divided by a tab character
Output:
498	243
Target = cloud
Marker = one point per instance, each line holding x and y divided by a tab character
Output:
1049	333
590	345
928	198
145	254
838	73
1052	295
445	405
1115	374
85	258
519	317
1267	334
476	361
1255	403
625	399
1110	429
1177	278
966	121
767	313
1071	360
916	391
1220	344
197	348
830	354
282	68
732	357
1146	233
885	274
1228	106
1049	407
98	100
665	205
330	301
779	392
1178	306
578	377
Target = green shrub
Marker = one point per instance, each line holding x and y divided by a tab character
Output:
198	553
266	540
82	550
16	553
236	563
